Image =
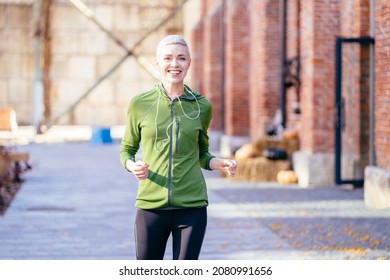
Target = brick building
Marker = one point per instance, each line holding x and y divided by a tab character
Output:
257	61
242	75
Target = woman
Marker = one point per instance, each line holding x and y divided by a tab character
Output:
170	123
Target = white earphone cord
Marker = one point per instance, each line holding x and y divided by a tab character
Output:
166	140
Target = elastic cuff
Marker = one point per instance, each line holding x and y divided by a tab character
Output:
208	163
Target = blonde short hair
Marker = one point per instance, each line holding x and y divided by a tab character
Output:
172	39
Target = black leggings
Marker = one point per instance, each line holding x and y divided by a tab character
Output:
153	227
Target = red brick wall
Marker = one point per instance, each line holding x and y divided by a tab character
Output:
237	68
197	39
382	83
213	64
252	69
197	57
307	74
319	27
264	66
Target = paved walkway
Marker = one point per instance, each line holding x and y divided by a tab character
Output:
78	203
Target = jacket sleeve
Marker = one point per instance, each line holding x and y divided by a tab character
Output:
204	154
132	137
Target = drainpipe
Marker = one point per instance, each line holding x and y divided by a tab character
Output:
372	155
282	18
297	109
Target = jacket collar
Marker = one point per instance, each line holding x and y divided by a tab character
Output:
188	94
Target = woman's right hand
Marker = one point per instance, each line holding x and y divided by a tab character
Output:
139	169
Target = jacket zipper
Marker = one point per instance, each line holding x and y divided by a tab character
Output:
170	154
177	133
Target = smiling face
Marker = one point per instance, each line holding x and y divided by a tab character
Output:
173	62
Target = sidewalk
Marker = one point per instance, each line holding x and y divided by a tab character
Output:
78	203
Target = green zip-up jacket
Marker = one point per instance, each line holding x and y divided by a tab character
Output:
172	135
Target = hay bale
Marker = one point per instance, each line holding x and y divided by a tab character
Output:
246	151
254	167
260	169
290	145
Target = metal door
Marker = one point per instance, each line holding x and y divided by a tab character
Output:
354	109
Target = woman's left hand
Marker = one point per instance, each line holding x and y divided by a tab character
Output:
227	166
230	167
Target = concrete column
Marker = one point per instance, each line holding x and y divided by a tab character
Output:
376	187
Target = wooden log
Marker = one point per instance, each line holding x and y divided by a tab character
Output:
18	156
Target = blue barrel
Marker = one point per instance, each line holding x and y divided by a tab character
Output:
101	135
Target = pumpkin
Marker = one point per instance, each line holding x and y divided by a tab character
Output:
286	177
